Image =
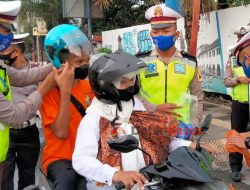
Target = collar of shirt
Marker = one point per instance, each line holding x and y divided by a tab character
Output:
3	65
176	54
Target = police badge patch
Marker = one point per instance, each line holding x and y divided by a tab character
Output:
180	68
235	63
151	70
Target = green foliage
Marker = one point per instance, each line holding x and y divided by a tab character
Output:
49	10
223	4
105	50
118	13
239	2
121	14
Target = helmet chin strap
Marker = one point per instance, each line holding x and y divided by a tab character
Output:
119	104
119	107
133	99
116	117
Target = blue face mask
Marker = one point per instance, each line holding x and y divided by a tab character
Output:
246	69
163	43
5	41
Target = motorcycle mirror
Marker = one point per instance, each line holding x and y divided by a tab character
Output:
124	144
206	122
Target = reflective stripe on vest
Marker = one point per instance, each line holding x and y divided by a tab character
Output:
4	129
160	84
240	91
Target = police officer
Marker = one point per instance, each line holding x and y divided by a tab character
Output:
17	114
24	139
170	76
242	30
236	79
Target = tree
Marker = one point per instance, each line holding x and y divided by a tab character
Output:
121	13
118	15
240	2
49	10
223	4
26	20
206	7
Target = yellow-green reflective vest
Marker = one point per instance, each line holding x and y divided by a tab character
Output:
4	129
170	83
240	91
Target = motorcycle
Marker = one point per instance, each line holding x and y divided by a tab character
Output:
184	169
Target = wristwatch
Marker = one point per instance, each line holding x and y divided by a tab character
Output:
247	142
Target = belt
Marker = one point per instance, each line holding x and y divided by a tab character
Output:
28	123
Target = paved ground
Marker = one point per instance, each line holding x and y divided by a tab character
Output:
215	136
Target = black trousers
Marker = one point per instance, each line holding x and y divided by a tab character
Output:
1	173
239	121
63	177
24	152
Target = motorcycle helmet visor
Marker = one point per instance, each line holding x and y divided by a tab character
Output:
77	43
126	80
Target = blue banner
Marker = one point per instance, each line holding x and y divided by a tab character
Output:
175	5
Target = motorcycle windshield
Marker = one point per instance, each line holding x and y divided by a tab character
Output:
188	162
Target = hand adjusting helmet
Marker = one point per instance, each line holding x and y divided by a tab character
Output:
64	39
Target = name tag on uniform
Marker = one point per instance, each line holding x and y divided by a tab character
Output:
235	62
151	70
232	62
180	68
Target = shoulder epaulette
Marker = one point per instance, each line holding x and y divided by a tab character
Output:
189	56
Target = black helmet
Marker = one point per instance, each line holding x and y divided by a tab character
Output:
108	68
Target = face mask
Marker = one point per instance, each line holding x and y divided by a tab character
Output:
127	94
81	72
7	58
164	42
246	69
5	41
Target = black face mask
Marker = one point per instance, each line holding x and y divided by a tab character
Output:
81	72
7	59
127	94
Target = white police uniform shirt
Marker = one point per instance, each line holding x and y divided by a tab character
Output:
17	114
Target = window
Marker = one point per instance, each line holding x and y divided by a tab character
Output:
213	52
213	69
218	70
218	51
